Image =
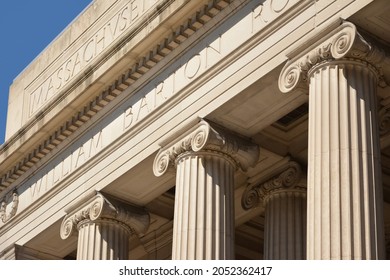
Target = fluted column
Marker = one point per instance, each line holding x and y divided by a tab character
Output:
344	163
285	225
103	240
387	240
104	228
204	225
284	199
345	196
205	158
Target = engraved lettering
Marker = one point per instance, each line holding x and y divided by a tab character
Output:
267	12
259	15
95	145
68	70
181	75
38	187
192	67
213	52
113	29
37	99
163	90
57	174
77	62
124	19
66	166
80	155
50	88
99	42
144	108
134	9
278	5
159	96
128	117
59	77
136	110
88	51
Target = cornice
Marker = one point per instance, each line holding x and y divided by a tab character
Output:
102	208
203	136
342	42
144	64
288	180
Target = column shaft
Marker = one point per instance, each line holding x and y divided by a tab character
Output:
345	211
204	209
103	240
285	225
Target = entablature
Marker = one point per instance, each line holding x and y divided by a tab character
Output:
106	143
67	110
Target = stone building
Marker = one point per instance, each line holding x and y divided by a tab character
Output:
210	129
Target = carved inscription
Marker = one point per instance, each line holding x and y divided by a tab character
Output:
65	167
85	55
264	13
187	70
182	76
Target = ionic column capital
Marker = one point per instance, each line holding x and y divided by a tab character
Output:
287	180
203	137
100	207
384	120
343	42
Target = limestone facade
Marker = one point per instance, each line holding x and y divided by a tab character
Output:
210	129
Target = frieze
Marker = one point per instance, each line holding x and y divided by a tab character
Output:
211	50
70	162
268	11
175	81
87	53
122	83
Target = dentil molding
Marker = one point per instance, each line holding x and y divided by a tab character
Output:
116	88
102	208
287	180
343	42
203	136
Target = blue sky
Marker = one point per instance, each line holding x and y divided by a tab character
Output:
26	28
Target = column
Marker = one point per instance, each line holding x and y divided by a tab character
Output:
103	240
104	228
384	123
205	158
345	196
204	216
387	240
284	199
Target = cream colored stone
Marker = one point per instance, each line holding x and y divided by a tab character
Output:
345	216
103	128
205	158
284	200
204	223
345	197
105	227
